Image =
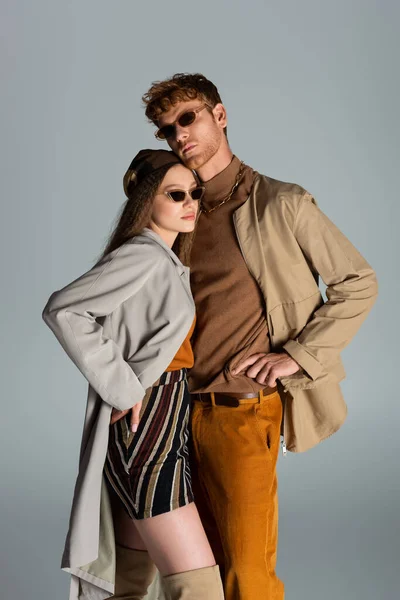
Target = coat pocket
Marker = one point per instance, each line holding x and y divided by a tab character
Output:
287	320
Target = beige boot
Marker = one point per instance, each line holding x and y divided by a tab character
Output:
199	584
135	572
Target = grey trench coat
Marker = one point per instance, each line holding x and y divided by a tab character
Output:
121	323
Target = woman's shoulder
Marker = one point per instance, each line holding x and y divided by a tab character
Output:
146	250
150	244
140	254
143	246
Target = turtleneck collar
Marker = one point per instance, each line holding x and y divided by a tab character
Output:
221	184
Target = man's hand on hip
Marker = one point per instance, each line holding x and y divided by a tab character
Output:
266	368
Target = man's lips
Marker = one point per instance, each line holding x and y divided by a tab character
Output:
187	148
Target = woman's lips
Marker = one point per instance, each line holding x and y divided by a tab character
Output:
189	217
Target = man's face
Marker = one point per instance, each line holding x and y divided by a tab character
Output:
197	143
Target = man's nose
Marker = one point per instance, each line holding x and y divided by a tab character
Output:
181	133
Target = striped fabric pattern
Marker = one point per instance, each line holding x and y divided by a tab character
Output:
149	470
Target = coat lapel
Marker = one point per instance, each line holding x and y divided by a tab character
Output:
183	272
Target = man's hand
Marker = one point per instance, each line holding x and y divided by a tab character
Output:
116	415
266	368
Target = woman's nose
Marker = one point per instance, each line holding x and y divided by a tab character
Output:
190	202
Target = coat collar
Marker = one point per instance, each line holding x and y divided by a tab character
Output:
149	233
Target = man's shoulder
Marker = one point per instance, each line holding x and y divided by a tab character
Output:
283	191
272	200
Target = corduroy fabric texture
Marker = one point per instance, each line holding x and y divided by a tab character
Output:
234	451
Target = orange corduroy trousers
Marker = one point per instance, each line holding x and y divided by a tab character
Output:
234	454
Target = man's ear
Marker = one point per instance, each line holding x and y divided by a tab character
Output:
219	112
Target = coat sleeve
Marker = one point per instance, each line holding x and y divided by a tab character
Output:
72	313
351	290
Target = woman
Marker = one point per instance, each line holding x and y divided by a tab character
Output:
126	324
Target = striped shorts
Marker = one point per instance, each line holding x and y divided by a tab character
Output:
149	470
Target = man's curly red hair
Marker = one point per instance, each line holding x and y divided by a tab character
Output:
180	87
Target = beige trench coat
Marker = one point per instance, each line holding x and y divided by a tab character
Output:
288	243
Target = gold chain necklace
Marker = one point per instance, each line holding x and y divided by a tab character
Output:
229	196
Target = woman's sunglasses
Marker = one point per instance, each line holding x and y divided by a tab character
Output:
179	195
168	131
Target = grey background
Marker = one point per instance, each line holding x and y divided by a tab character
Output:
312	93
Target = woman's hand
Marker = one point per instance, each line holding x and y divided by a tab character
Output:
116	415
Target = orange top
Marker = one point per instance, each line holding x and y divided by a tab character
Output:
184	358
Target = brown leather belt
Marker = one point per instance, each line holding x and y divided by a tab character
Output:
231	398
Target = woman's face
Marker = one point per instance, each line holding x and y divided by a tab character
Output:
169	217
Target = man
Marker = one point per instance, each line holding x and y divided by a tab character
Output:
262	328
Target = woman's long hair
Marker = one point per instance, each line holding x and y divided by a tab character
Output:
135	216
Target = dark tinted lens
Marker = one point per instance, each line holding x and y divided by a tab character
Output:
177	195
197	193
165	132
187	118
169	130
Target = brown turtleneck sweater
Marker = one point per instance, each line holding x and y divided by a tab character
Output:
230	310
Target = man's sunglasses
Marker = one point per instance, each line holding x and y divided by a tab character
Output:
186	119
179	195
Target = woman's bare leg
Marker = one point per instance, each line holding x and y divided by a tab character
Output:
175	541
